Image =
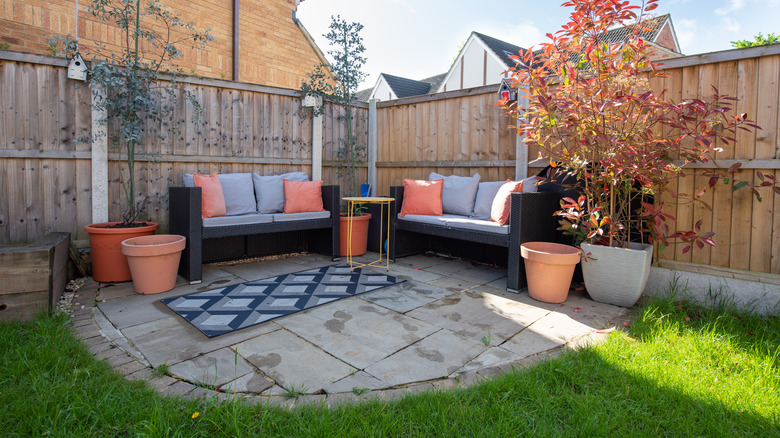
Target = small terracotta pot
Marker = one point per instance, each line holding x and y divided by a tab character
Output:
549	268
359	240
109	265
154	261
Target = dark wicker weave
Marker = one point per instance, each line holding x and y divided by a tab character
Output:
231	242
531	219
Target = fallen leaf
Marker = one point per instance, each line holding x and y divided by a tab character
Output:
626	324
686	319
577	309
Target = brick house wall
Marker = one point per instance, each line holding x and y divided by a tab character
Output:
665	38
273	49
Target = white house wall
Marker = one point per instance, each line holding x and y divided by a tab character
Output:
382	91
475	71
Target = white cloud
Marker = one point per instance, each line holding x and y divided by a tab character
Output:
731	24
524	34
687	32
731	6
407	5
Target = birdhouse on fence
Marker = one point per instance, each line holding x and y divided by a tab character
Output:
77	69
506	92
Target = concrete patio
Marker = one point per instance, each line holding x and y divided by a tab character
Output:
450	324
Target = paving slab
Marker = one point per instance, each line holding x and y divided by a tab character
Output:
214	369
137	308
486	313
266	269
466	270
453	284
420	261
172	340
253	382
416	274
530	342
491	357
406	296
355	331
360	379
291	362
434	357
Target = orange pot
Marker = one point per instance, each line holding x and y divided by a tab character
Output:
154	261
109	265
549	268
358	244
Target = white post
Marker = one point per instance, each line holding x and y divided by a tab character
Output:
316	136
372	145
99	161
521	149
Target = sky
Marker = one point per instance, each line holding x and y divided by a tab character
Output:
417	39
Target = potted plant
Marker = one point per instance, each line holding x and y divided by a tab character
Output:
337	83
591	111
126	87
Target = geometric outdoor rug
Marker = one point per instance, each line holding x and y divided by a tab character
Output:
226	309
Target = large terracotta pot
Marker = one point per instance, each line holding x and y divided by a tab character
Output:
549	268
109	265
616	275
154	261
356	245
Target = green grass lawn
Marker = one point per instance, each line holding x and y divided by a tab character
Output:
679	370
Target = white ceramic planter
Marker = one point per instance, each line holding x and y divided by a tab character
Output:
616	275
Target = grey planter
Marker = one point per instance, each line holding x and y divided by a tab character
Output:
616	275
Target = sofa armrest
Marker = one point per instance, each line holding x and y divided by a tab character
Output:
184	216
331	201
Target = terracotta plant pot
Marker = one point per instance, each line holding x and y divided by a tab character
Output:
359	239
549	268
154	261
109	265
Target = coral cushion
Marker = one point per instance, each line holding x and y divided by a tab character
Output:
502	203
422	197
212	199
302	196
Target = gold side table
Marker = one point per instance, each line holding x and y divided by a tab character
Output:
384	223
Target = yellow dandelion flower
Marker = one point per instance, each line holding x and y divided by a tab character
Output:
195	415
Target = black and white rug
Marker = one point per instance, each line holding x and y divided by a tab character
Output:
219	311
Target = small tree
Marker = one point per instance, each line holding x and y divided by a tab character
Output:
758	40
592	113
126	82
346	70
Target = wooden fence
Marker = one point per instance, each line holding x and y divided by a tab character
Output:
464	132
46	175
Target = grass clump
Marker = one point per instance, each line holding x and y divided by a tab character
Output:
679	370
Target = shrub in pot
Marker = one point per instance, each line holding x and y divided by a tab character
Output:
337	83
589	108
126	86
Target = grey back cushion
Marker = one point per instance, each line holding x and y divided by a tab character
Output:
237	189
269	190
458	193
485	195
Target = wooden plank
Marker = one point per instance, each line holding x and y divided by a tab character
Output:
742	206
685	185
775	261
764	220
703	210
24	269
448	164
23	306
721	56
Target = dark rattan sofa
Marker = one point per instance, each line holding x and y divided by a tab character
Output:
237	241
531	219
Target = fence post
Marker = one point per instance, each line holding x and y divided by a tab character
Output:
316	135
521	149
99	159
372	145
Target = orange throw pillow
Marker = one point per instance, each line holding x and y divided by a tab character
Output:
302	196
422	197
502	203
212	199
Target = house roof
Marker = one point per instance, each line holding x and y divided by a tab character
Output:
649	32
502	49
403	87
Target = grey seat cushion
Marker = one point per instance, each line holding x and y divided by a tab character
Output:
269	190
286	217
458	193
426	219
482	225
244	219
484	203
238	191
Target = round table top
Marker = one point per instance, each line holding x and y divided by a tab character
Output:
368	199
